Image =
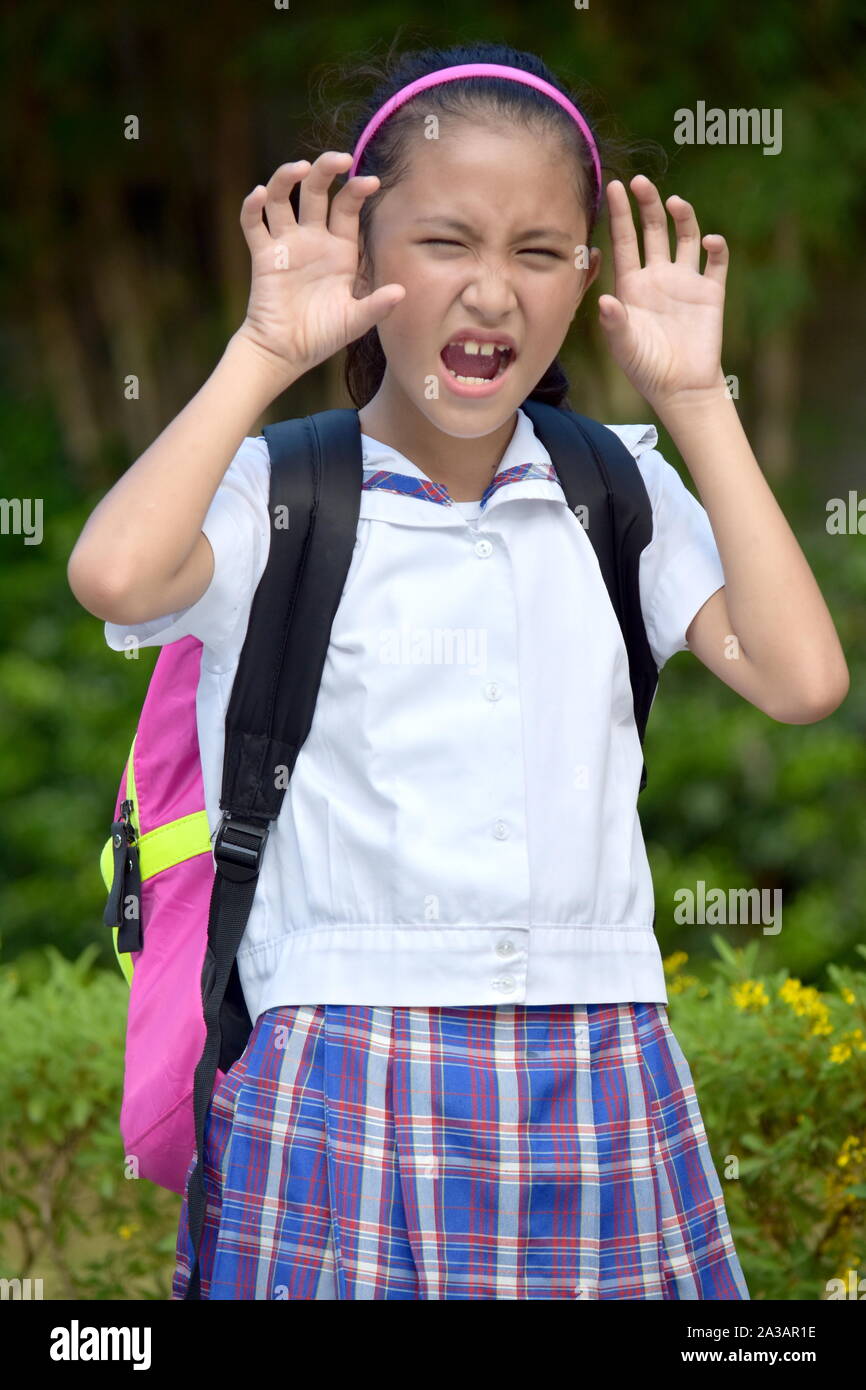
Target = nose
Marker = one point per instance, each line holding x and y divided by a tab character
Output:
489	291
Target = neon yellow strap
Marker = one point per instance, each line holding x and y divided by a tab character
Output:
158	849
164	846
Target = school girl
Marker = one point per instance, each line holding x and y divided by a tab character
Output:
462	1082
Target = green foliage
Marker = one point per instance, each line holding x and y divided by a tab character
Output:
68	1214
780	1074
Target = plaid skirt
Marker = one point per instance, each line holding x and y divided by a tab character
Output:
492	1152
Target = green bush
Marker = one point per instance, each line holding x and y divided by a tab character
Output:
68	1214
780	1074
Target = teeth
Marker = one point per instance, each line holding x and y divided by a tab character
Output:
477	380
473	347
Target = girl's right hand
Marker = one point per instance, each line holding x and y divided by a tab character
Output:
301	308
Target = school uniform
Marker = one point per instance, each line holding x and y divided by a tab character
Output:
461	1081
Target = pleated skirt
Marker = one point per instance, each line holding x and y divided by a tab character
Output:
490	1152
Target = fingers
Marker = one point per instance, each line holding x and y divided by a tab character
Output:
688	232
375	307
278	209
346	207
613	318
656	242
255	231
316	179
315	187
717	257
626	253
623	237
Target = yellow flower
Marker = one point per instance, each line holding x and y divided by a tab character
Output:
848	995
673	963
126	1232
847	1041
851	1149
681	982
749	994
807	1003
839	1052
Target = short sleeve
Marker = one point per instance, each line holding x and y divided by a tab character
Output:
237	527
681	567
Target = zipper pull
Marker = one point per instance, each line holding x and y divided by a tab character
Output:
123	908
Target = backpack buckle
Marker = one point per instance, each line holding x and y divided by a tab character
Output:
239	847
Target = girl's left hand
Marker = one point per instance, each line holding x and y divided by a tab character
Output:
664	324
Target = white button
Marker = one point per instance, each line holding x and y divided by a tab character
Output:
493	691
505	948
505	982
500	830
483	548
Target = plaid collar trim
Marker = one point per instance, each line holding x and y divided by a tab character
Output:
409	486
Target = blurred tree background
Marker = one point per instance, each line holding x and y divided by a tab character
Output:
124	257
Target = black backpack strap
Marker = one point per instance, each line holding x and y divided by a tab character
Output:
596	471
315	498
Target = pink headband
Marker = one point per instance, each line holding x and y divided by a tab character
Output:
432	79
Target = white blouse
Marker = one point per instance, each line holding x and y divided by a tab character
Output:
461	826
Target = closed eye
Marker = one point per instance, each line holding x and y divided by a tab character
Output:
528	250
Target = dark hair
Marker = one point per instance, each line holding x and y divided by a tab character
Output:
388	153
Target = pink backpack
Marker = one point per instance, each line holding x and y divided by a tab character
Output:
160	842
178	904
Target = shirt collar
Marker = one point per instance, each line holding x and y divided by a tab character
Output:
395	489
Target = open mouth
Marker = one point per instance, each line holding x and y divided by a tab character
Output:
475	363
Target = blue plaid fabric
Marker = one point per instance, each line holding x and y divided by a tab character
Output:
437	492
489	1152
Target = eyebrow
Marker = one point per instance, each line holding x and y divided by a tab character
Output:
464	228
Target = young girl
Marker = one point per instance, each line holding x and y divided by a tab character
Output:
461	1081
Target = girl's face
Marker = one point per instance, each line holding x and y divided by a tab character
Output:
486	234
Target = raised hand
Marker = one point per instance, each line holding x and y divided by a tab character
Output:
664	321
301	308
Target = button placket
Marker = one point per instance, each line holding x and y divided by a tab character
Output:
511	983
509	986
